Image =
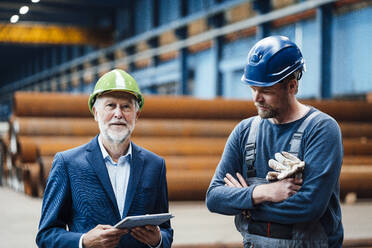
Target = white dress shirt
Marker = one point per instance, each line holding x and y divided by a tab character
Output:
119	174
119	177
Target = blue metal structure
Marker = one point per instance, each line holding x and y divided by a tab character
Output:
335	40
324	21
263	7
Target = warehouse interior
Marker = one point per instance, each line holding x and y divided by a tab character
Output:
188	57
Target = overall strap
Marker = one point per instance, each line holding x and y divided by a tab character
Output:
250	147
295	142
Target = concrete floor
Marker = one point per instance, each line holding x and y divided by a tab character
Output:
193	224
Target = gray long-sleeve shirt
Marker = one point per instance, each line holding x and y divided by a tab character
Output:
318	199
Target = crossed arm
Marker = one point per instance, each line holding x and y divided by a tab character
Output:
286	202
271	192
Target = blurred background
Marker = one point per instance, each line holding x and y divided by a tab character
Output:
187	57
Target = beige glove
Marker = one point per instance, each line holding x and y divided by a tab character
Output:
285	165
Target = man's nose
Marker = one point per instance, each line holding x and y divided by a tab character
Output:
117	112
257	97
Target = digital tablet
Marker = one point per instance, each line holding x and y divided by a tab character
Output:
143	220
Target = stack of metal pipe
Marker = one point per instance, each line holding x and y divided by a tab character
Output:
189	133
355	120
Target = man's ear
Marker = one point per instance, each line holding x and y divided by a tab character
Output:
95	113
293	86
138	114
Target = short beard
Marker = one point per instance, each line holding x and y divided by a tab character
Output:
114	137
265	114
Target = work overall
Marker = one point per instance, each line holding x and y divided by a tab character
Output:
268	234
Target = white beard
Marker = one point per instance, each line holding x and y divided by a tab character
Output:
115	137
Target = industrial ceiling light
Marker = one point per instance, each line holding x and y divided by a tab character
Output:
23	10
14	19
35	1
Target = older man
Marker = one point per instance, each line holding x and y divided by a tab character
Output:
286	135
92	187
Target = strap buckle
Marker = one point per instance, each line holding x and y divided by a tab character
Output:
250	155
251	172
297	135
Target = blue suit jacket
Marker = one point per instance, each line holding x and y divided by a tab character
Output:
79	196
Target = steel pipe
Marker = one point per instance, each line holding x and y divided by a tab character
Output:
43	126
48	146
182	146
183	184
357	147
356	129
191	163
184	128
152	127
342	111
192	184
31	179
357	243
357	160
68	105
188	180
369	97
192	108
50	104
51	145
356	179
188	185
28	151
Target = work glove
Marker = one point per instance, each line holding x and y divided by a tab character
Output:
285	165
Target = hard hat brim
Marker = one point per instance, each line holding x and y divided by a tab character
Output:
95	95
300	66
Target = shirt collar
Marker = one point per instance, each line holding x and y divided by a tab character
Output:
106	156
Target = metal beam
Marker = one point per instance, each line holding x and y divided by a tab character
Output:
179	23
90	3
183	58
82	20
42	34
209	35
53	8
96	4
324	21
217	21
263	7
46	20
251	22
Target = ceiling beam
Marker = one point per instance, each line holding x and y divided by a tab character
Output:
92	3
53	34
54	8
82	20
97	4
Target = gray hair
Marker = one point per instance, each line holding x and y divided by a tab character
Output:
297	74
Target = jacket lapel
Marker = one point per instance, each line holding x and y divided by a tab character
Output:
136	169
95	159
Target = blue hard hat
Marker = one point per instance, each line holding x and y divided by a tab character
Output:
271	60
